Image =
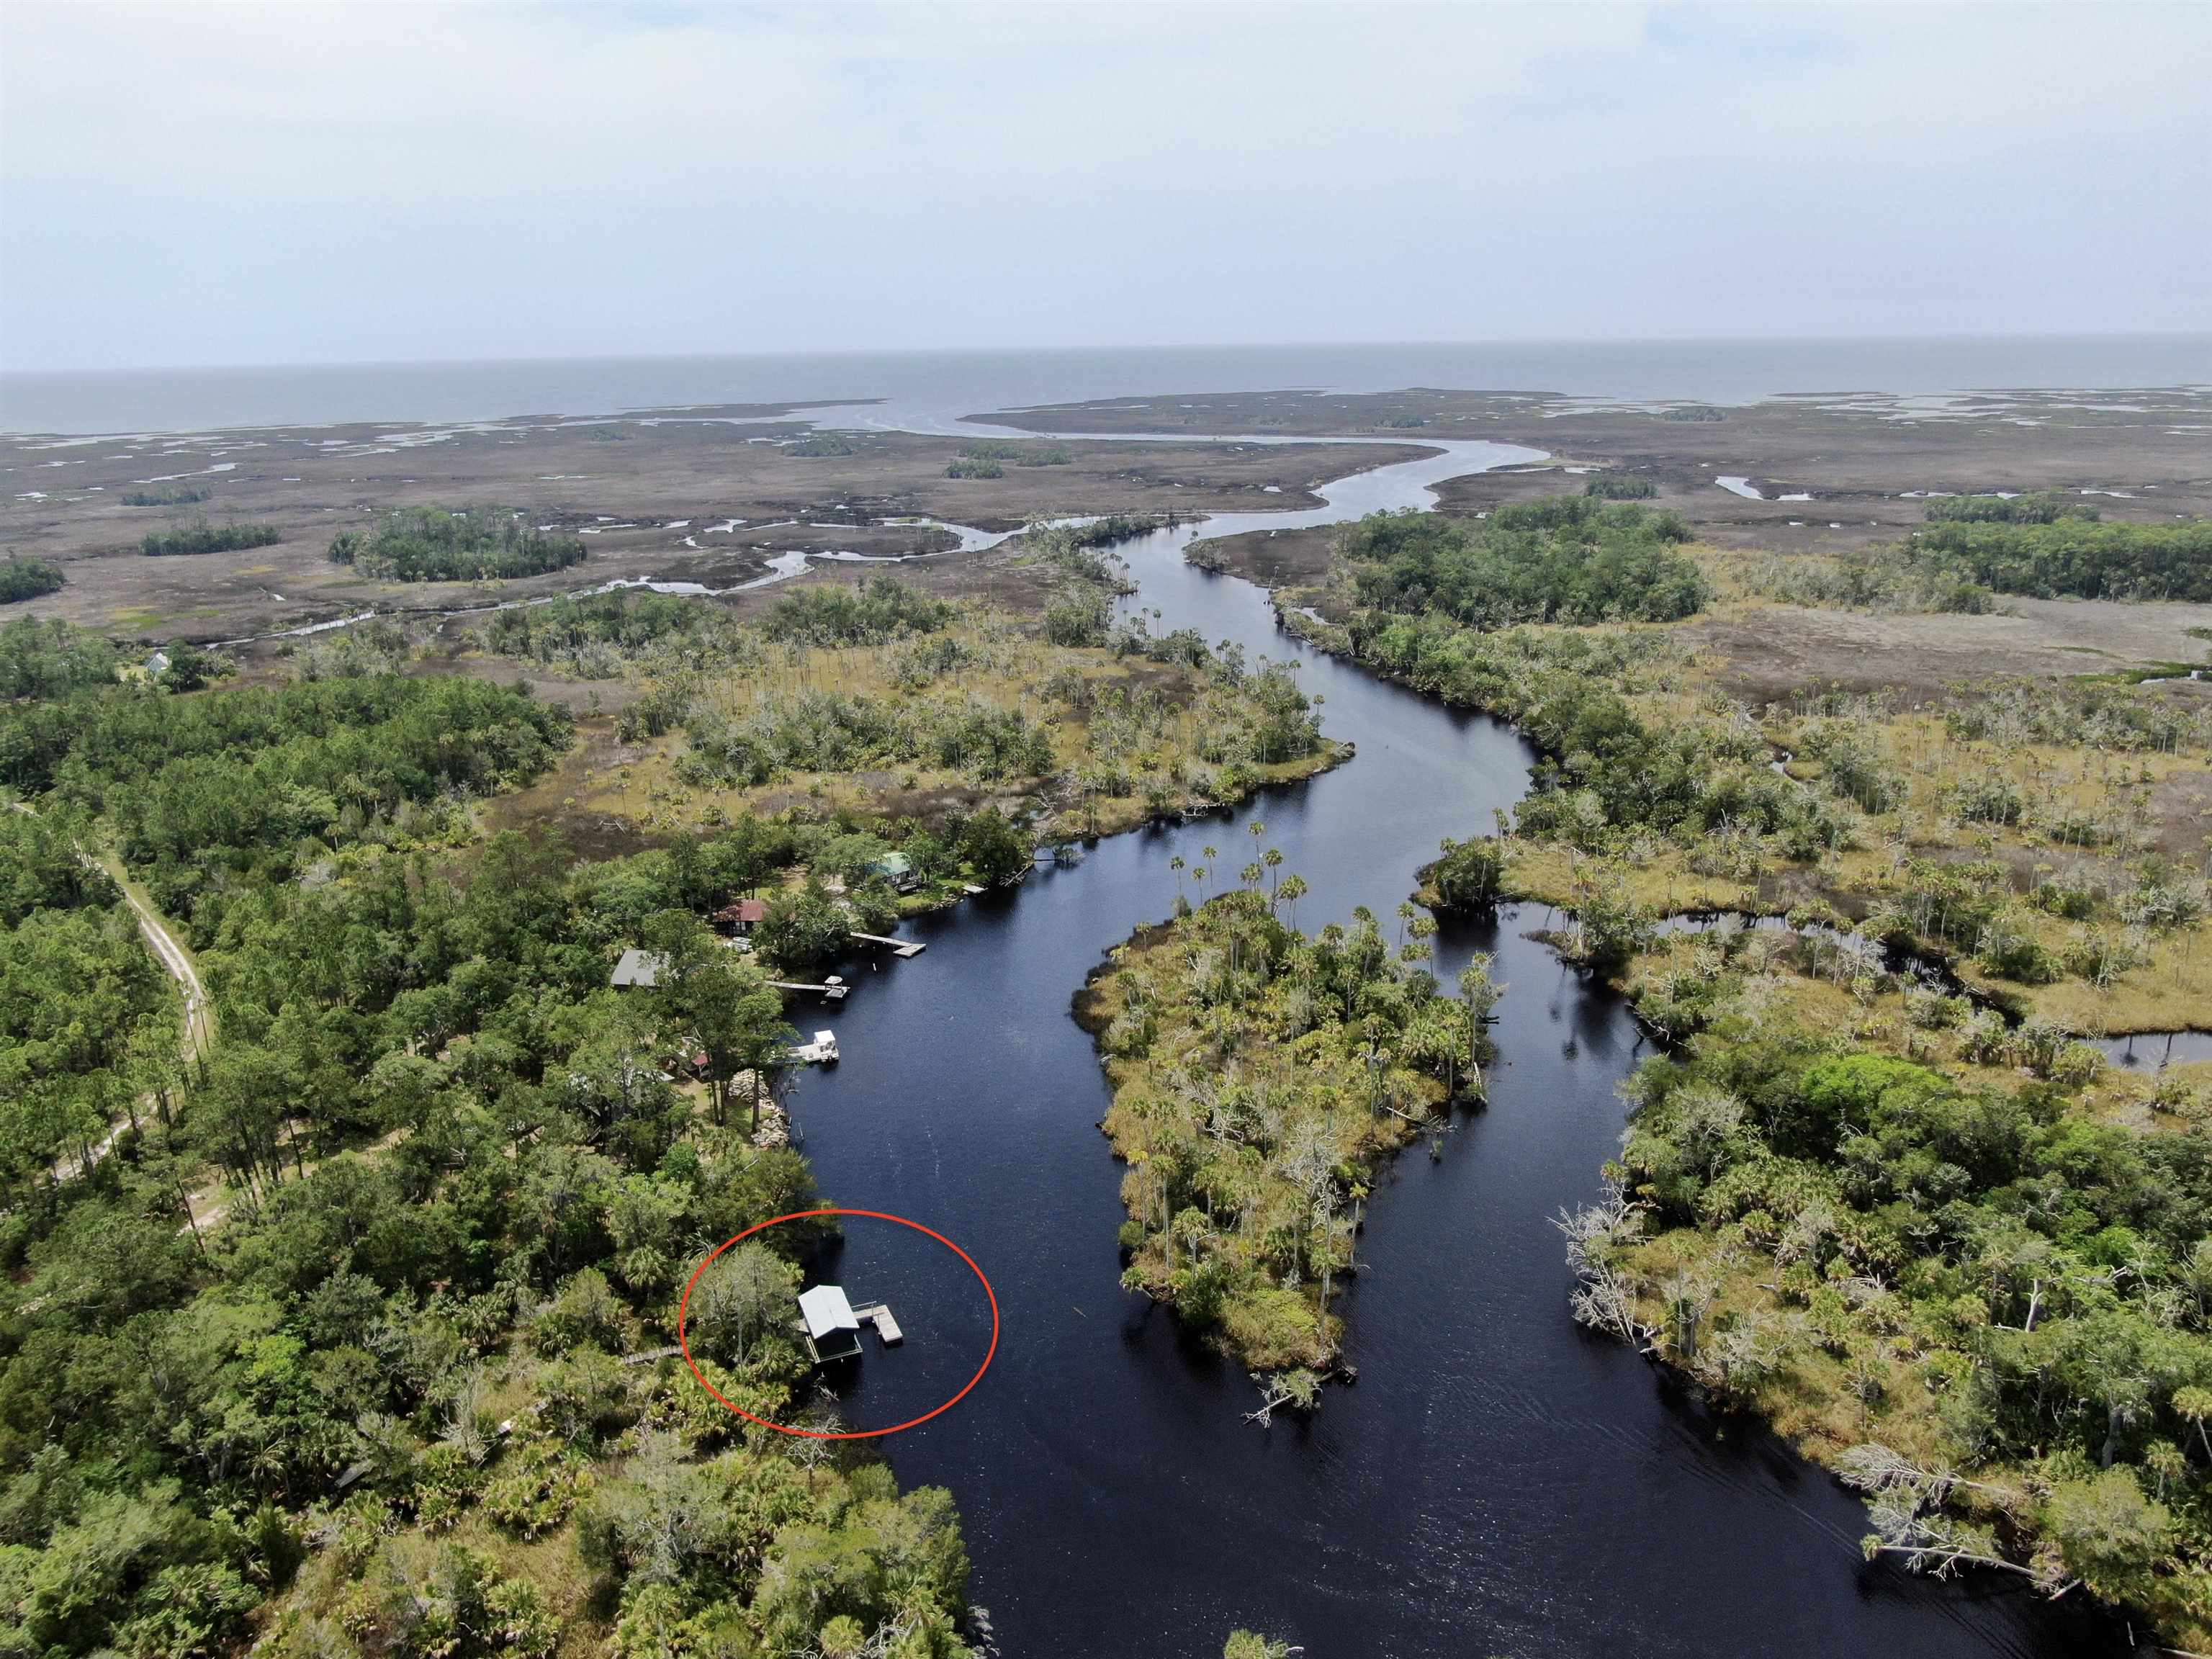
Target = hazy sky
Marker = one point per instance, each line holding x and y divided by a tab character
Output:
189	184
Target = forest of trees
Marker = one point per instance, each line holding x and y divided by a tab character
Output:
2071	555
201	536
2046	545
1020	453
825	732
1571	559
326	1350
42	660
439	544
2039	507
86	1015
201	789
844	681
2012	1302
879	608
22	578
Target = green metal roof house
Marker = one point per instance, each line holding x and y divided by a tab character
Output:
897	869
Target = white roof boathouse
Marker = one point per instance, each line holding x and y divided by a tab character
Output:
833	1329
831	1324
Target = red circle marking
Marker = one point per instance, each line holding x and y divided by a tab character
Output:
683	1310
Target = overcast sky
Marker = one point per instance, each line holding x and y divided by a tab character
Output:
189	184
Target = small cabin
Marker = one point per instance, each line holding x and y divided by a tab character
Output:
833	1329
743	917
898	870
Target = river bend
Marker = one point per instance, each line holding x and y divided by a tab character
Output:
1498	1481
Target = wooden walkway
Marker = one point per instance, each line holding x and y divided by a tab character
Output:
834	993
879	1316
899	947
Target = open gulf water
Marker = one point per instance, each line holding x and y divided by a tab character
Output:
926	391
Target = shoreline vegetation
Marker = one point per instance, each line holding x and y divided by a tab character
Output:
1876	1187
885	710
1261	1079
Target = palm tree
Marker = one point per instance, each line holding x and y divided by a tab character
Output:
1293	889
1481	992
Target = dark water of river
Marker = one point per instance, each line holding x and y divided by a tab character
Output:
1498	1481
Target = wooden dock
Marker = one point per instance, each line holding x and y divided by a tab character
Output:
899	947
879	1316
833	993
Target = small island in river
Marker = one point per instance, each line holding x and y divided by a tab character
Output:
1260	1077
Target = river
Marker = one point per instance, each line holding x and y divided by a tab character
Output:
1498	1481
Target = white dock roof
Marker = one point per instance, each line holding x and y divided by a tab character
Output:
639	968
826	1310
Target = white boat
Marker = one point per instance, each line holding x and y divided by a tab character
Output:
823	1051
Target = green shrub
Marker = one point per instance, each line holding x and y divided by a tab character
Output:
435	545
28	579
201	536
1615	486
1574	559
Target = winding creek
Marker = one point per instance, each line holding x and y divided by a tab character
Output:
1498	1481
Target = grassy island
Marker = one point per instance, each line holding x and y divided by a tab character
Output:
204	537
1260	1077
436	544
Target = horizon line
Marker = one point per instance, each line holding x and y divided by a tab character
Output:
1155	346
